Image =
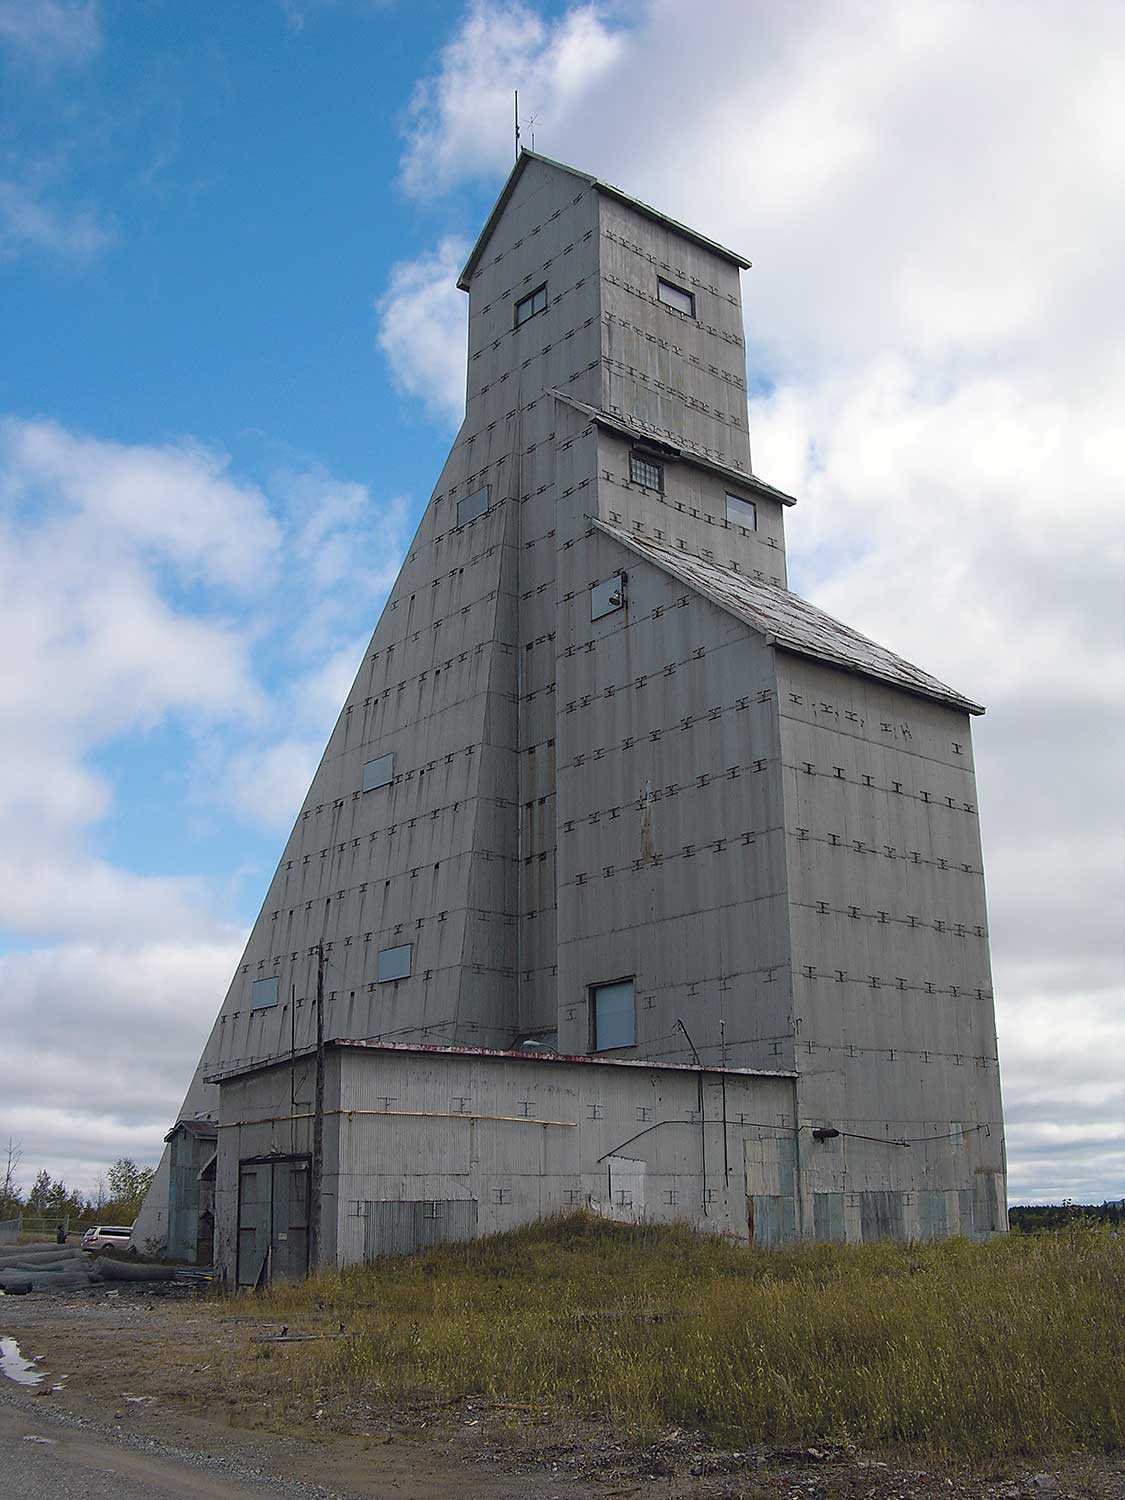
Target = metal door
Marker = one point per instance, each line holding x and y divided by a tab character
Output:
273	1220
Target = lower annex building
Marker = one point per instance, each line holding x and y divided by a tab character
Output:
628	878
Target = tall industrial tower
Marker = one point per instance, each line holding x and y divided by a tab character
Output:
601	772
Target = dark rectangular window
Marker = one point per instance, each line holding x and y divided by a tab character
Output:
608	596
742	512
646	471
472	506
534	302
379	772
613	1017
394	963
676	296
263	993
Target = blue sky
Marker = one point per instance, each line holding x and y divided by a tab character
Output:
231	363
228	175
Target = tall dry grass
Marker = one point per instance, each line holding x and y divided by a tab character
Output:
1002	1349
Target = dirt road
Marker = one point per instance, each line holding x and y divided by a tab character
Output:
58	1458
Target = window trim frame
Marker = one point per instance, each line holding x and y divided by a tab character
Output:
592	1008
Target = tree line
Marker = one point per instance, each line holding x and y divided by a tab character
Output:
116	1198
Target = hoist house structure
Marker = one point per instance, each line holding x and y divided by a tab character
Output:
639	882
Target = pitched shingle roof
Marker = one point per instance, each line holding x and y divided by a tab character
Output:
790	622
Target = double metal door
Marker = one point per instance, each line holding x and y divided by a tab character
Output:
273	1219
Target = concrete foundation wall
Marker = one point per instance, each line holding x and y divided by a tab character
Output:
518	1138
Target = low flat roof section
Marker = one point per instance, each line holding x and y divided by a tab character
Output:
493	1054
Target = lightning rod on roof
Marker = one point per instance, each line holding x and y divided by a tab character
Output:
517	102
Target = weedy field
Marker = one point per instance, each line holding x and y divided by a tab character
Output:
1001	1350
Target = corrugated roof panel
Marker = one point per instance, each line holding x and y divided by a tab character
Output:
789	621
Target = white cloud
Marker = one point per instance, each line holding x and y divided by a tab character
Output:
148	589
98	1037
423	321
29	221
930	195
50	31
462	117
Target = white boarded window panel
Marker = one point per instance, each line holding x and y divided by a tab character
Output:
472	506
263	993
742	512
615	1022
607	596
379	772
394	963
626	1186
676	296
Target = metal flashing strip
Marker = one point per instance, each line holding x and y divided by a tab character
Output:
409	1114
789	622
599	186
635	434
433	1049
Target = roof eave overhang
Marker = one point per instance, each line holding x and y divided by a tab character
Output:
950	699
673	451
842	664
607	190
433	1049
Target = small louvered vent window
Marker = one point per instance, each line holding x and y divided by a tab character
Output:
646	471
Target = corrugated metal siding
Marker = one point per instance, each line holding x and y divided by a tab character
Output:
401	1228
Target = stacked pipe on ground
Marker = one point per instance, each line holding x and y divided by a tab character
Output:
47	1268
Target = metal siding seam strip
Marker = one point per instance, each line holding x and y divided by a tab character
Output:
413	1114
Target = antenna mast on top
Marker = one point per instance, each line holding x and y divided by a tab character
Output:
517	99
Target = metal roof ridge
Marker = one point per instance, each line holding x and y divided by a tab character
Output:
600	186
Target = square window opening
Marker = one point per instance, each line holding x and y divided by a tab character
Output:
527	307
742	512
263	993
646	471
394	963
607	596
472	506
677	297
379	772
613	1015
